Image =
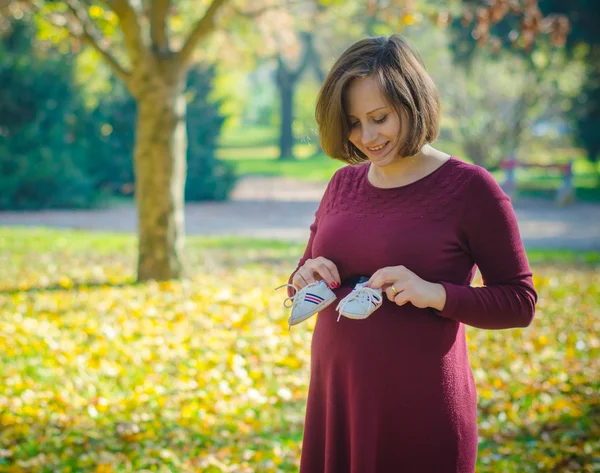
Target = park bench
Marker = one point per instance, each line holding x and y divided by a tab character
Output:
565	194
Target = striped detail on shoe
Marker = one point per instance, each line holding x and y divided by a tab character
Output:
313	298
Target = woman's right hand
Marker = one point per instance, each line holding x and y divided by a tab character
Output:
316	269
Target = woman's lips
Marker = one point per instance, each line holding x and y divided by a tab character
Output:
378	152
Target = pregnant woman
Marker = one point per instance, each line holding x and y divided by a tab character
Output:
395	243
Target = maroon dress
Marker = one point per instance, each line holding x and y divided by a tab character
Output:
395	393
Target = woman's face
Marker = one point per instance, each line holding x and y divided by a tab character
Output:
374	125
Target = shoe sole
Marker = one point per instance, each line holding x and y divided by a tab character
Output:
356	316
304	317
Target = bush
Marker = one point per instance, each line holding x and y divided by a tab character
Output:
208	178
109	132
55	153
41	162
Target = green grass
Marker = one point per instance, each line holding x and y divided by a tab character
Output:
101	374
249	137
20	244
268	153
544	183
319	168
565	257
18	240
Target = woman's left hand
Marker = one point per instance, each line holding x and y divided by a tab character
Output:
402	285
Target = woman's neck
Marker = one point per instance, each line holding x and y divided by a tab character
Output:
408	169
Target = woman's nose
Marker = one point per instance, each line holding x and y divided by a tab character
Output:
368	135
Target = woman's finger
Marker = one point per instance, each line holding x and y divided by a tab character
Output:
334	272
392	291
298	284
401	298
298	280
307	275
384	276
381	278
326	270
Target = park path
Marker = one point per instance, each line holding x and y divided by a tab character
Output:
272	207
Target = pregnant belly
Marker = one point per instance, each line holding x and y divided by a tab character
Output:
409	356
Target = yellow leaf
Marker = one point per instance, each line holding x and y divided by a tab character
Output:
96	11
65	282
103	468
408	19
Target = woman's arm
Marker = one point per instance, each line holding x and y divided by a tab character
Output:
490	231
325	201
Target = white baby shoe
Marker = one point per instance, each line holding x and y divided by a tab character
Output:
360	303
307	301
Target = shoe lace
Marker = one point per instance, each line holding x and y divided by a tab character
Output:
293	301
365	296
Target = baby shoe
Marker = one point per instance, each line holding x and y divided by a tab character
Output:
360	303
307	301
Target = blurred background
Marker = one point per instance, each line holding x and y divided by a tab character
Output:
159	169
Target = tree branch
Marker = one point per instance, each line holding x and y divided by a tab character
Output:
90	35
286	74
131	29
306	53
203	27
158	25
252	15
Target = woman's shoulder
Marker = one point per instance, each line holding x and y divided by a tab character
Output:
349	173
479	188
472	175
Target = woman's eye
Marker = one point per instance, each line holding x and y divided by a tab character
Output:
354	125
381	120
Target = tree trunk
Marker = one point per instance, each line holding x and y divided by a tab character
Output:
286	80
321	78
286	135
160	168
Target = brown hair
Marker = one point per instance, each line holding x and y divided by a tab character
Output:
405	84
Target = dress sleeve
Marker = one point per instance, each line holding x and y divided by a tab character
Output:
491	234
325	200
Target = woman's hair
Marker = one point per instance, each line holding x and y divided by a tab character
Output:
404	82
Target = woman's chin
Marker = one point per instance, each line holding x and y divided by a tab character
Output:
382	161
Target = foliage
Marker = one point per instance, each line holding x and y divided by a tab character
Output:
588	121
103	375
508	94
207	177
584	16
41	159
578	18
498	102
110	127
57	152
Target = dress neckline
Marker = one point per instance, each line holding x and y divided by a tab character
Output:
405	186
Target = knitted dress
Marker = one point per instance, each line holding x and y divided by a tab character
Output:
395	393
